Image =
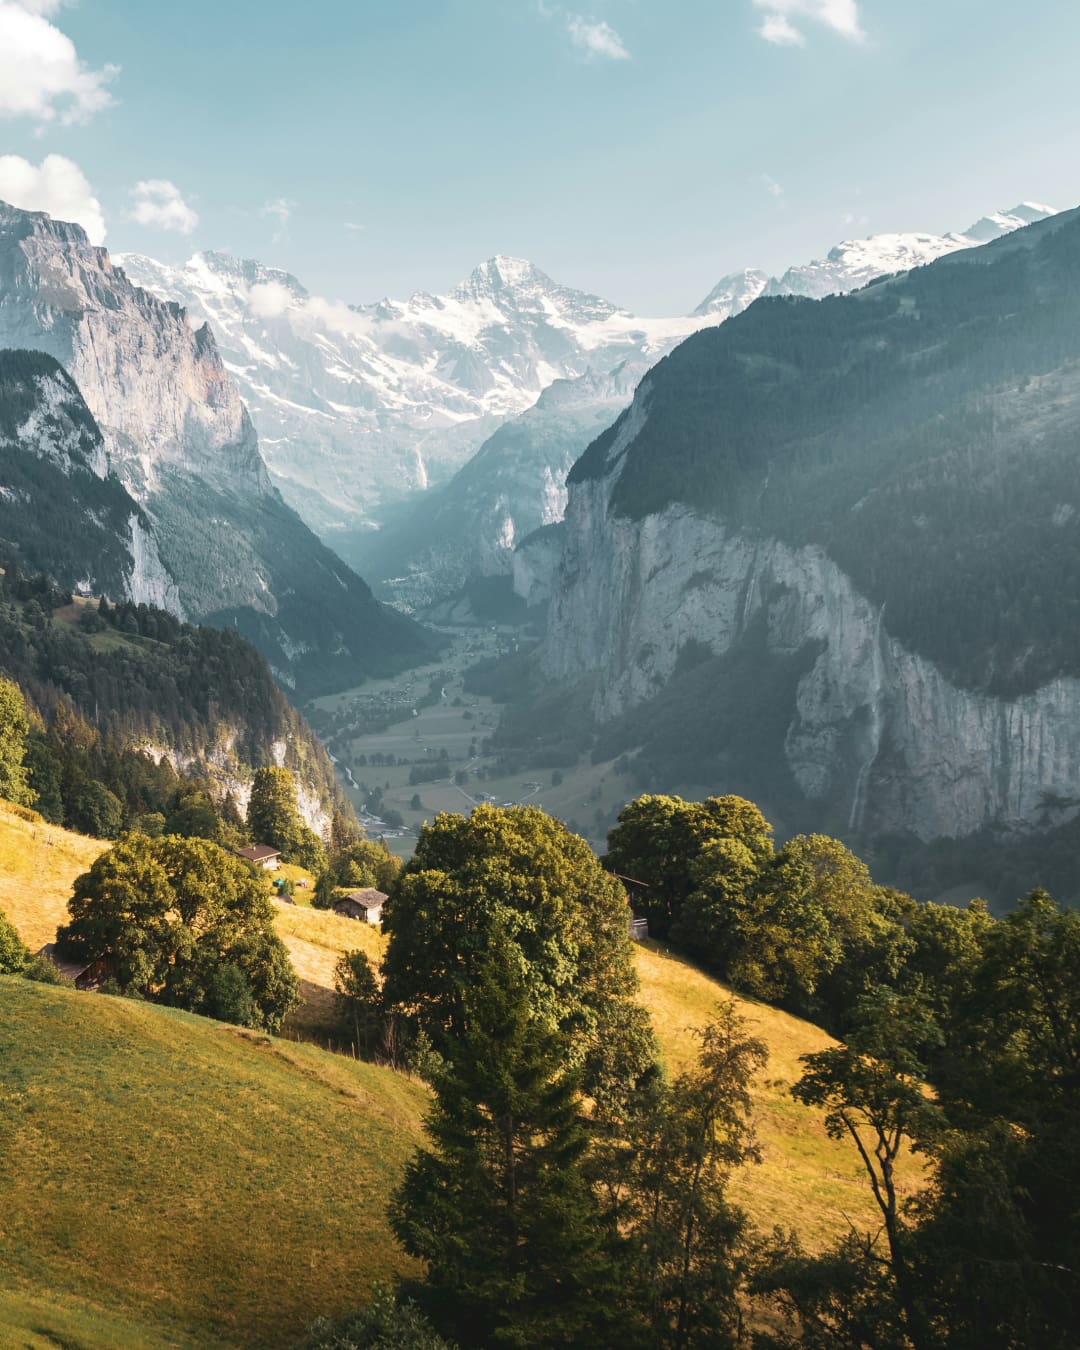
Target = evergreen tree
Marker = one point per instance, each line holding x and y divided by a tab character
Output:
500	1206
272	816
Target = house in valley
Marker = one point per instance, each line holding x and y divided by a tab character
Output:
262	855
366	905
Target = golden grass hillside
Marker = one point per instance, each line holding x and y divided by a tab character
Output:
171	1181
806	1181
38	864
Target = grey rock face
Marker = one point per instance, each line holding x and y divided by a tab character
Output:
215	540
877	735
155	384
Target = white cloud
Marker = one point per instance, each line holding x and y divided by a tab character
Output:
772	187
352	227
58	186
269	299
780	31
842	16
280	209
159	205
41	75
596	39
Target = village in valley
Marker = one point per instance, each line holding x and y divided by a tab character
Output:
407	748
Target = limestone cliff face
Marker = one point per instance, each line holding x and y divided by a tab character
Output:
155	384
876	735
213	539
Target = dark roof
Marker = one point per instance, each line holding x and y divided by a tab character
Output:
257	852
368	898
71	969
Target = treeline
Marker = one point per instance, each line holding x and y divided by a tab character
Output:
571	1194
109	686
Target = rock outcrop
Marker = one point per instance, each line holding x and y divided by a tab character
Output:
214	540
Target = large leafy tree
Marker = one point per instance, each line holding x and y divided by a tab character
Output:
14	729
518	871
661	840
1001	1243
185	923
500	1206
813	902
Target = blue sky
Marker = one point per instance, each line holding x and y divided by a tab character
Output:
636	148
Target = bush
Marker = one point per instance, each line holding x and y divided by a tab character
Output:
13	953
384	1324
42	971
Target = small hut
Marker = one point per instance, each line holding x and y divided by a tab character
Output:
262	855
366	905
86	975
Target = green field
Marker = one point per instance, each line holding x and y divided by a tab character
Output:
587	795
208	1185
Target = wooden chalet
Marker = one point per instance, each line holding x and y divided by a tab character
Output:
86	975
366	905
262	855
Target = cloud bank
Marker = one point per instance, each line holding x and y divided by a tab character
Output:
56	185
41	74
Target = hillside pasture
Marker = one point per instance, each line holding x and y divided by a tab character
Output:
211	1185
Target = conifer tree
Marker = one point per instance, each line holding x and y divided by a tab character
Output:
499	1205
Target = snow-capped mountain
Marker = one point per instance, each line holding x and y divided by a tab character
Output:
210	536
359	405
472	524
513	485
857	262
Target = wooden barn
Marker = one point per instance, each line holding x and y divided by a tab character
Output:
88	975
366	905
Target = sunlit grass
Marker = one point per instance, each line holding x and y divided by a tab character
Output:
214	1183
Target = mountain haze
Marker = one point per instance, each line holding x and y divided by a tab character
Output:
178	438
831	551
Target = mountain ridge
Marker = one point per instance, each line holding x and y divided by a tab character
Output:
867	501
178	437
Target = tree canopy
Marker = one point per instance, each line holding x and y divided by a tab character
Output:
565	919
184	923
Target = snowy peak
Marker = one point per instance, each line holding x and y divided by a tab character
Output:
856	262
732	294
999	223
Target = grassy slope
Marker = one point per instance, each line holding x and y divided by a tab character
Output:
805	1181
212	1183
260	1169
38	863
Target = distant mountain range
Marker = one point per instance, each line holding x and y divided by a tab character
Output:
361	406
148	410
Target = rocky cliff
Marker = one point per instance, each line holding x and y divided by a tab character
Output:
884	722
62	511
178	438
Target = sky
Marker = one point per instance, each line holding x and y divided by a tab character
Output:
637	149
